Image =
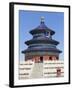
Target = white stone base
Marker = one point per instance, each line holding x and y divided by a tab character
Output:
47	69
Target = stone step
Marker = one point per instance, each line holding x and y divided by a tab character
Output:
37	71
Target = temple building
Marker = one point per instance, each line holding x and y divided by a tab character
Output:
42	46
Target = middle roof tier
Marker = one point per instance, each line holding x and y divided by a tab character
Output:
43	40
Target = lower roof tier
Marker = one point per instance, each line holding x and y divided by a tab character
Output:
41	53
55	50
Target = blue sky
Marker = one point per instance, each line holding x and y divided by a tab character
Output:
29	20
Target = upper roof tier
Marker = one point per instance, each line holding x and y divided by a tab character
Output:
42	28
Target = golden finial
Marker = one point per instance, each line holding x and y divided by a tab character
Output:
42	19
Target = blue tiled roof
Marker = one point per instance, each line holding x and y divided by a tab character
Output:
42	49
42	40
41	28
